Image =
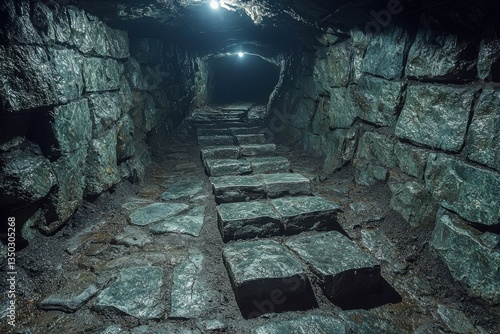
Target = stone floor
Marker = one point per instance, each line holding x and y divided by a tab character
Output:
243	240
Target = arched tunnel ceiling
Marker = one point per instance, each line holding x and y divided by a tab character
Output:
271	26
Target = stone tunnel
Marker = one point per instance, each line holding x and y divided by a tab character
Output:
249	166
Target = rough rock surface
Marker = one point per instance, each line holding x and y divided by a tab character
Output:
26	176
484	131
470	191
344	270
458	57
266	278
137	292
470	259
436	116
156	212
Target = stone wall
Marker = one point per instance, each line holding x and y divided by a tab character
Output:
76	109
418	110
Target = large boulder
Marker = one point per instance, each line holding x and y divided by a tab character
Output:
436	115
101	170
472	257
379	100
67	195
27	78
470	191
105	110
343	110
332	67
386	52
457	57
71	127
26	176
101	74
67	78
82	30
484	132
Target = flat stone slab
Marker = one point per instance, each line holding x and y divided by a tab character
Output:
307	213
266	278
258	150
215	140
281	184
156	212
190	223
137	292
80	288
266	165
229	189
247	220
191	295
222	152
307	324
345	272
222	167
250	139
183	190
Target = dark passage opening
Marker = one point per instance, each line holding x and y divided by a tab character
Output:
242	79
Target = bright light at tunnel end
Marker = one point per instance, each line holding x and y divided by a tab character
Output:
241	54
214	4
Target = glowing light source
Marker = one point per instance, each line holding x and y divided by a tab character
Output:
214	4
241	54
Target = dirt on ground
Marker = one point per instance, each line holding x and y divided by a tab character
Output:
43	265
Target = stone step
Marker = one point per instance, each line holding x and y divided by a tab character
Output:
283	216
262	165
235	152
222	152
281	184
223	167
267	278
344	270
250	139
266	165
217	140
228	189
307	213
236	188
257	150
246	220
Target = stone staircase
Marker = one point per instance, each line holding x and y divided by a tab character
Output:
280	239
